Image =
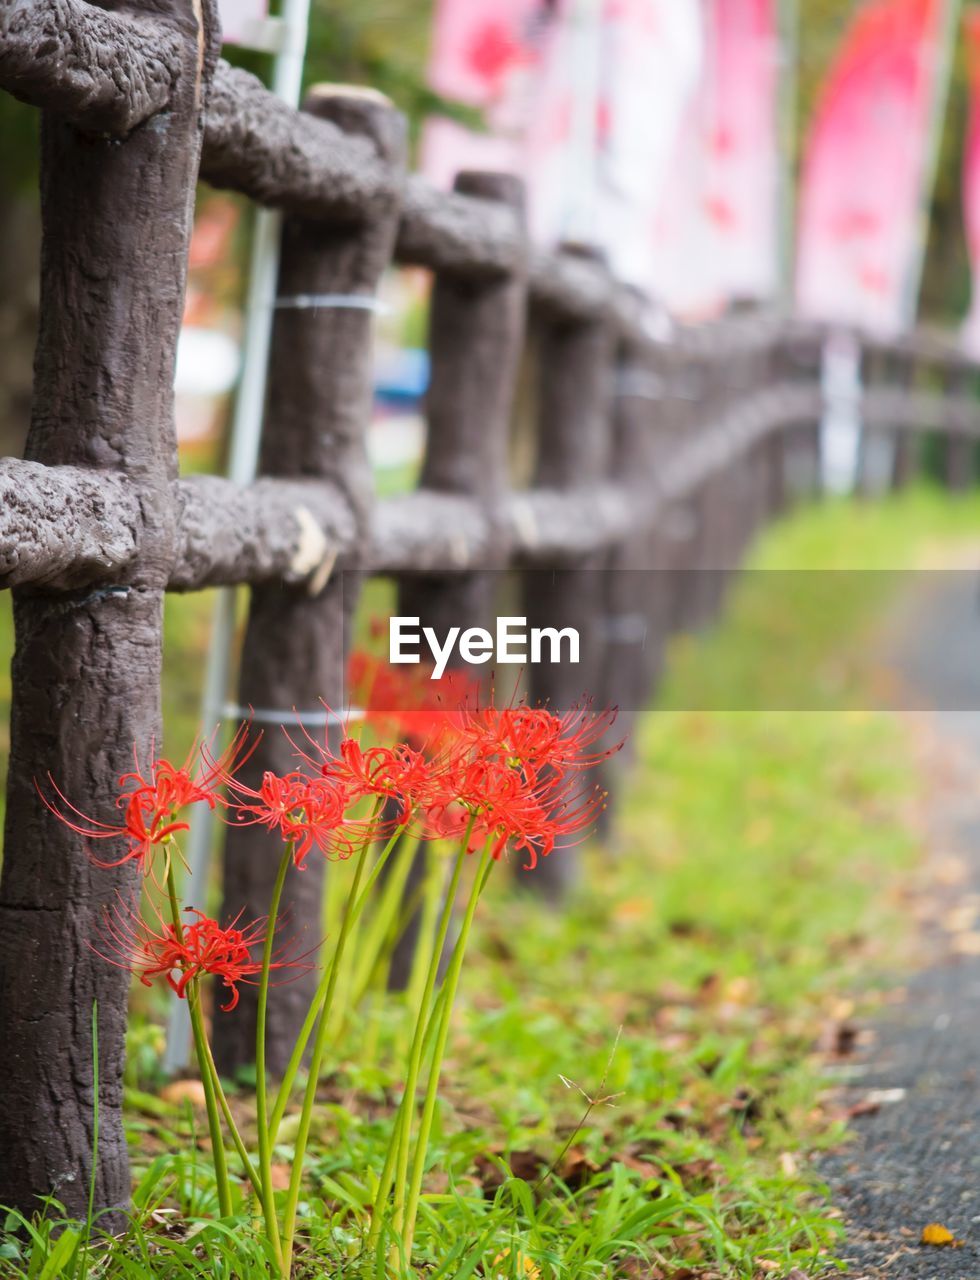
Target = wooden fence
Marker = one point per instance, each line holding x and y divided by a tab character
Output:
650	452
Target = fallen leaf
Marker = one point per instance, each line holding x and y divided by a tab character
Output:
527	1266
941	1237
961	918
180	1091
633	909
967	944
576	1167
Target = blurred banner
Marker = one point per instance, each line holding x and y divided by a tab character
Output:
971	178
486	54
238	18
715	230
645	127
867	166
741	198
652	62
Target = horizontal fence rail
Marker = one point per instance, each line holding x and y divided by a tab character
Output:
656	446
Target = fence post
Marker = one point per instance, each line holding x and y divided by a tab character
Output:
959	449
636	596
906	446
319	405
575	359
476	331
116	216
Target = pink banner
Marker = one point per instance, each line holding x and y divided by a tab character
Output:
971	178
238	18
864	168
650	65
485	54
716	230
741	196
583	99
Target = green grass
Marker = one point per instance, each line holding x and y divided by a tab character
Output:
750	887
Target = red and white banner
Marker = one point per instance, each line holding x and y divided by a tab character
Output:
651	63
716	232
583	98
865	166
741	194
971	178
646	127
486	54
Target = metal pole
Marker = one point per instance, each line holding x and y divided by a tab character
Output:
788	37
578	222
292	27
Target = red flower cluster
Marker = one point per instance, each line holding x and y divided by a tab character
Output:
309	812
150	800
204	947
509	777
539	739
407	703
507	769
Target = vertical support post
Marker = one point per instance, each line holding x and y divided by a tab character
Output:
959	449
635	597
243	448
680	523
574	406
320	389
116	215
906	443
476	332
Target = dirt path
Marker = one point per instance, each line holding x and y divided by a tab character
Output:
916	1156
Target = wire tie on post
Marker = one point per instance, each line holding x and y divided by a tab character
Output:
639	384
319	719
331	301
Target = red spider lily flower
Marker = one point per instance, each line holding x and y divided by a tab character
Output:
538	738
510	806
399	774
309	811
204	947
408	704
150	800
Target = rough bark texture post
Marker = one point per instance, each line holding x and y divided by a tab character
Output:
906	442
320	391
575	360
959	450
635	612
86	674
682	519
476	328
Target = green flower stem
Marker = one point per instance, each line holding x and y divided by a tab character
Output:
432	1090
418	1038
423	953
319	1044
250	1170
388	1172
303	1039
200	1049
261	1085
403	1124
380	927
